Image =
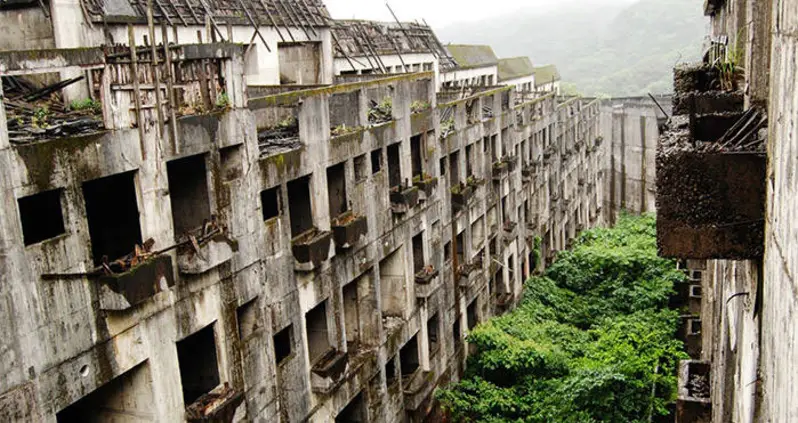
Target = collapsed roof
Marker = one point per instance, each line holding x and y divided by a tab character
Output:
356	38
284	13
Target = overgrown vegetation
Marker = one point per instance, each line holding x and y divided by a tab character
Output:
591	341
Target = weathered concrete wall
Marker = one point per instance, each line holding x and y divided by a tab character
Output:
779	318
631	130
64	345
26	29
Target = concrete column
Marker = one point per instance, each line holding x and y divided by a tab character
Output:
4	143
68	31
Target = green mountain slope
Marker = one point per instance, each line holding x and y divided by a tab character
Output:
612	48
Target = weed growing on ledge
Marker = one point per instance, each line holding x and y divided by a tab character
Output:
590	341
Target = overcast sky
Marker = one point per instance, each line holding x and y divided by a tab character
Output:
438	13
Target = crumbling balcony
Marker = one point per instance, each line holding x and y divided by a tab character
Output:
461	197
512	162
403	199
417	389
510	232
711	170
499	169
135	285
426	282
217	406
426	184
348	228
505	300
311	249
328	371
694	403
205	248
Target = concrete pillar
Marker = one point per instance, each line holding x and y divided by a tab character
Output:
4	143
68	31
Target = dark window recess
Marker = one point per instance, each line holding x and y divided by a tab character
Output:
454	164
129	394
418	253
442	166
408	357
351	313
471	315
360	167
447	251
283	344
232	162
336	189
485	145
42	217
376	161
390	371
432	333
394	167
460	241
355	412
199	371
469	160
456	333
248	319
415	154
270	203
318	338
188	190
300	210
113	215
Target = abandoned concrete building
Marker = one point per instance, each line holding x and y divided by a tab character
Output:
214	221
726	203
547	78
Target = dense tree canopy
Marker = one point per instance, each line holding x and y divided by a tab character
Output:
591	341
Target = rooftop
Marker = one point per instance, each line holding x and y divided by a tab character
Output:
357	38
515	67
472	56
293	13
546	74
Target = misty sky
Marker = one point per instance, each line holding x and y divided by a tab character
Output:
438	13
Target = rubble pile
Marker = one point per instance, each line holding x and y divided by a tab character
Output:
35	113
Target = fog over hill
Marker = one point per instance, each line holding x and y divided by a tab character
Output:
612	47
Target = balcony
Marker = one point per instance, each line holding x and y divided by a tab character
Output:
403	199
505	300
426	282
348	228
122	291
219	406
694	403
311	249
206	249
426	184
327	371
711	196
499	169
417	389
461	197
512	162
510	232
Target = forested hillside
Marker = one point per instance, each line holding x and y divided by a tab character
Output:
607	47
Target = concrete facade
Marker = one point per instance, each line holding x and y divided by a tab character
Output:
631	127
290	255
748	327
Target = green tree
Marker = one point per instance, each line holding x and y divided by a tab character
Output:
588	343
